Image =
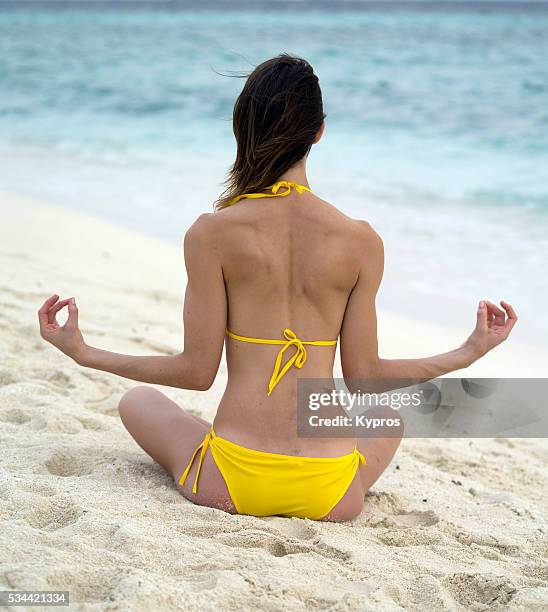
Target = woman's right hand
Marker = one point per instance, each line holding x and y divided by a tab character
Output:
493	326
67	338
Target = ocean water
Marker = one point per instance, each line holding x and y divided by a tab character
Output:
436	130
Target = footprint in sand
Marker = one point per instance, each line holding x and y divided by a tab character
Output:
480	591
401	520
91	423
38	488
61	380
17	416
93	584
487	545
275	526
292	528
77	462
56	423
410	537
273	545
280	547
106	405
53	513
382	502
386	510
201	582
124	539
416	518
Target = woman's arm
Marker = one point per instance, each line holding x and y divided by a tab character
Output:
204	325
359	346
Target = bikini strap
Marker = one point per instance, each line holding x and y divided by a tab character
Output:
274	189
203	447
298	359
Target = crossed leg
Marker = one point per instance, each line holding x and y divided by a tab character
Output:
379	451
170	436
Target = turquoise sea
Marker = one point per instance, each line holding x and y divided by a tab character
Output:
437	126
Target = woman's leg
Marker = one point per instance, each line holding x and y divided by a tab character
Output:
378	453
170	436
350	505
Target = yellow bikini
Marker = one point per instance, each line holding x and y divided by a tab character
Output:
266	484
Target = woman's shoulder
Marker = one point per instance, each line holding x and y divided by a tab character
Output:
367	232
201	232
211	227
360	229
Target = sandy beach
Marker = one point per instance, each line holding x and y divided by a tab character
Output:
452	525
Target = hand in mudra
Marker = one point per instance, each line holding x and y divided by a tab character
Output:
67	338
493	326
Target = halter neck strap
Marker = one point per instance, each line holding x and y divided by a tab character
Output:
275	191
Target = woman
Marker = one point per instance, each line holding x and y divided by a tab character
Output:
280	274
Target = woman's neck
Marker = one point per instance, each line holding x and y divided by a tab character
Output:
296	174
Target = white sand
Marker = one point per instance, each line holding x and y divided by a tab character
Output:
452	525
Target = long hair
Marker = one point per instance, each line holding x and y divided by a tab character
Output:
275	119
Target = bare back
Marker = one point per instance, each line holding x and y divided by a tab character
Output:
287	262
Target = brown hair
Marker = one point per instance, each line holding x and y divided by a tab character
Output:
275	119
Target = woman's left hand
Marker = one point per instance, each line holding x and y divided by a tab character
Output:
66	338
493	327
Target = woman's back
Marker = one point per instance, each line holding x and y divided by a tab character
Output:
288	262
279	276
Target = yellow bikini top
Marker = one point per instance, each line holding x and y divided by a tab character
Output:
275	189
291	339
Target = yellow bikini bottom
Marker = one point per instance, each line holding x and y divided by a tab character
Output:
267	484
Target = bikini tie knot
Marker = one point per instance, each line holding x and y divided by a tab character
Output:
290	338
274	189
298	359
203	448
293	340
288	185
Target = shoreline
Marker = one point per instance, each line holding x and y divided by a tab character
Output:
400	335
441	255
452	524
